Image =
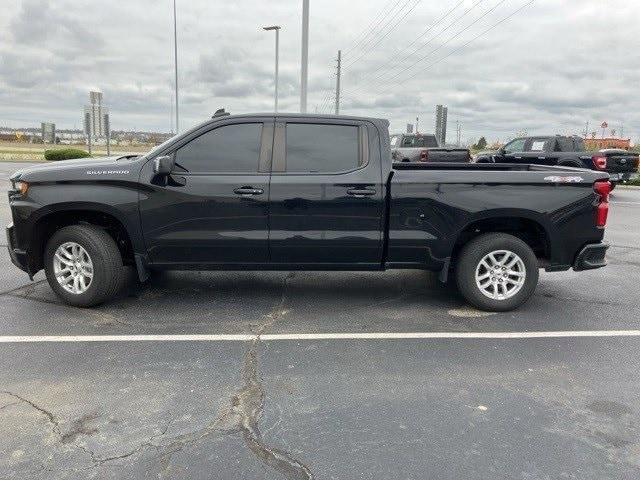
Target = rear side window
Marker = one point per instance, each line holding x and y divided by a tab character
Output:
226	149
565	144
316	148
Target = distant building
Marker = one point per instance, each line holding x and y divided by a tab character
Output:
48	132
94	117
600	143
441	124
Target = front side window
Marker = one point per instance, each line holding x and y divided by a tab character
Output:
515	146
317	148
226	149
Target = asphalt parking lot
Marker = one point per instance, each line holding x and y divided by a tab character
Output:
274	375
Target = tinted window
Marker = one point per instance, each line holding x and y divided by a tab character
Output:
231	148
565	144
322	148
515	146
418	141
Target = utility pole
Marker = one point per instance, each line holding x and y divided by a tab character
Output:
305	56
175	58
107	132
417	123
277	30
338	82
586	129
458	132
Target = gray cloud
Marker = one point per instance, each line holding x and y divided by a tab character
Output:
550	68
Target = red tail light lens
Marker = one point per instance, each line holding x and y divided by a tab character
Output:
600	162
603	189
424	156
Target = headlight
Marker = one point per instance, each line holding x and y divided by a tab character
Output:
21	187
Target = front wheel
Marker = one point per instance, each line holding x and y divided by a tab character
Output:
83	265
497	272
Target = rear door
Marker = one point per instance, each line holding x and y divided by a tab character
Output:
540	151
326	201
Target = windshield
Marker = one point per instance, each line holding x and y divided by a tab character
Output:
160	147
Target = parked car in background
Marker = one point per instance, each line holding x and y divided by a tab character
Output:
565	151
424	147
302	192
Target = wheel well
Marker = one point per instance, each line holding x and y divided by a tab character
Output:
529	231
48	225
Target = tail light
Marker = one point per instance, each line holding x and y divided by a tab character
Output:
602	189
600	162
424	156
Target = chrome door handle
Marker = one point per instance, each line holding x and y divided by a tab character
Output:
248	191
361	192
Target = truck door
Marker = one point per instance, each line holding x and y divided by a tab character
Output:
512	152
213	208
326	204
540	151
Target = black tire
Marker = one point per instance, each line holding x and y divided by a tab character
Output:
471	256
108	271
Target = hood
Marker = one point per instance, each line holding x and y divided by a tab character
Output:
71	169
59	169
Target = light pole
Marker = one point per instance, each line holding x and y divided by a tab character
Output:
175	58
304	70
277	30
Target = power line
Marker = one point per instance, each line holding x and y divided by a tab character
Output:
367	38
391	29
424	44
397	74
369	29
484	32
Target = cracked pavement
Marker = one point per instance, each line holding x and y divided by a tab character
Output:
325	409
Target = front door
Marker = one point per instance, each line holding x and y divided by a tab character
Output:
213	208
326	194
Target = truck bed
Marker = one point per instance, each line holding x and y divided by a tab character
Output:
430	204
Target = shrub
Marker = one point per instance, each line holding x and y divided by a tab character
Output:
65	154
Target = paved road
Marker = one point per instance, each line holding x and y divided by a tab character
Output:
306	407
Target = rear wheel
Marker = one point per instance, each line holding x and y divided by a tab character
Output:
83	265
497	272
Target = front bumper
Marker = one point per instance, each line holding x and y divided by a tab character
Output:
591	256
18	256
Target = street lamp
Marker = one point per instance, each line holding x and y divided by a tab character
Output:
277	30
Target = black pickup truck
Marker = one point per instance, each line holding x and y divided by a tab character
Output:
424	147
567	151
294	192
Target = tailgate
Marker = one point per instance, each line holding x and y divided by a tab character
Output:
621	162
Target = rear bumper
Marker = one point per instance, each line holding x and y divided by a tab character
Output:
17	255
623	176
591	256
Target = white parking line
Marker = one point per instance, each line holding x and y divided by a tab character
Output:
316	336
625	203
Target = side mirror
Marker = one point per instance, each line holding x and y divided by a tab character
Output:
163	165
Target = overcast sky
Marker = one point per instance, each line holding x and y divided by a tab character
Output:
549	68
